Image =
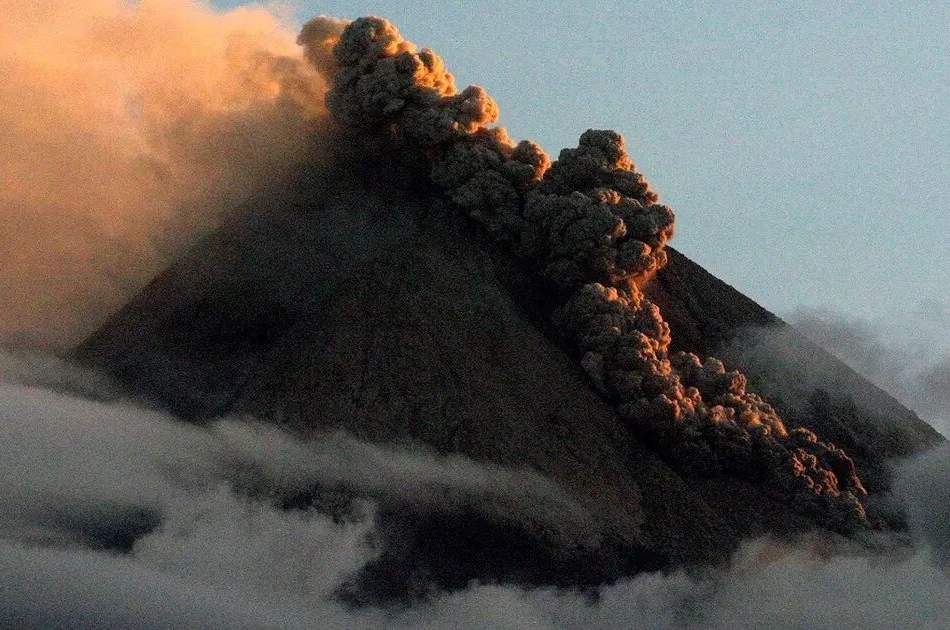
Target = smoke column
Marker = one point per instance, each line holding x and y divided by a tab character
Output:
589	226
128	128
125	128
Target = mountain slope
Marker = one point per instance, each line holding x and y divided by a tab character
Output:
348	304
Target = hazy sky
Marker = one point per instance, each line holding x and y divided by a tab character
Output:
804	147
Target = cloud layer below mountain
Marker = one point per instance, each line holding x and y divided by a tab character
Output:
212	545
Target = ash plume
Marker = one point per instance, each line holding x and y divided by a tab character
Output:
590	227
126	128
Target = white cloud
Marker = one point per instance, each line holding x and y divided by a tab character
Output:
214	549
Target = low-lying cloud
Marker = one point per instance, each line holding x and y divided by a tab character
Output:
912	363
112	514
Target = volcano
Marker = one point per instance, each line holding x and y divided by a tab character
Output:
361	307
357	297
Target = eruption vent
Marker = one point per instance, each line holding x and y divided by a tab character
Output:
589	227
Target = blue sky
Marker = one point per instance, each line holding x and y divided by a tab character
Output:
803	146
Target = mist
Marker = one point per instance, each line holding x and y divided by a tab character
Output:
909	358
115	514
128	129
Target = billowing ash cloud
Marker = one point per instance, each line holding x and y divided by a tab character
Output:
126	128
590	227
112	515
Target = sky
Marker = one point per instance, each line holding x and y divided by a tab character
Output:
803	147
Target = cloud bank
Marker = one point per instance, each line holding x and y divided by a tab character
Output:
115	515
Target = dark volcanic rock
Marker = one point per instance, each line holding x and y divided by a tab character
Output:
359	308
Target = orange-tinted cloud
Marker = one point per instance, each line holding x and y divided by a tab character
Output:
126	129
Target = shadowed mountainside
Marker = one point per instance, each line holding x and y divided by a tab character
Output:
353	305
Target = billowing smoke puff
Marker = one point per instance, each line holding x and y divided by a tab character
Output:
590	227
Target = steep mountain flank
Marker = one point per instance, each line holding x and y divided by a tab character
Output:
373	311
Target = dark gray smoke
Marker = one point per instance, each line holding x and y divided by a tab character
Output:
590	227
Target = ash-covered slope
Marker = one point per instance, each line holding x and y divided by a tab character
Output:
384	316
201	336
